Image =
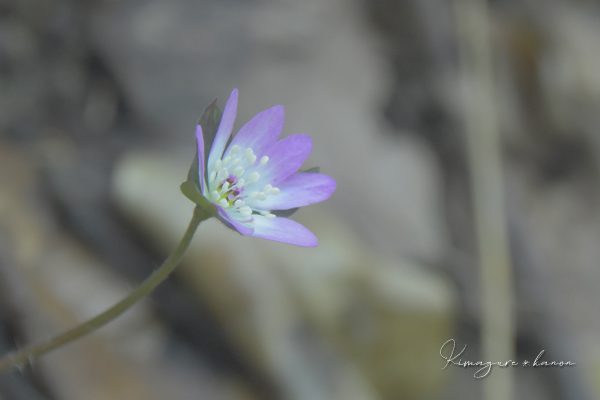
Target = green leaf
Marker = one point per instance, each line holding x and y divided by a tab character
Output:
192	192
193	173
313	170
209	121
285	213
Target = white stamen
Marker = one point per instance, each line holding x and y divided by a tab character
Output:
255	176
215	195
263	160
241	183
213	176
218	165
248	152
235	149
226	160
270	216
275	191
223	173
267	189
252	195
246	210
264	213
239	171
239	203
261	196
236	162
223	203
251	159
225	186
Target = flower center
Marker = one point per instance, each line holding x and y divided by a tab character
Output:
228	184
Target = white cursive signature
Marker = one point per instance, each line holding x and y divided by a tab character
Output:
486	366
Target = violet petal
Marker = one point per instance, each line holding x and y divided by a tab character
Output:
285	157
225	128
262	131
200	143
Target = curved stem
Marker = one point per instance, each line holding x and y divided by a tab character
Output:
31	353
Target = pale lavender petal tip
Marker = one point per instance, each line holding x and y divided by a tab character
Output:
284	230
298	190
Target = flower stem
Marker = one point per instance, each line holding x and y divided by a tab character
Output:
33	352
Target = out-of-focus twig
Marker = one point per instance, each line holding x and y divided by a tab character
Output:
496	282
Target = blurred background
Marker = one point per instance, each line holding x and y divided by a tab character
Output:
98	105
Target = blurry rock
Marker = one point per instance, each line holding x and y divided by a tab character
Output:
326	322
388	316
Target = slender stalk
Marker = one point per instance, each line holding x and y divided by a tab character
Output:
33	352
481	122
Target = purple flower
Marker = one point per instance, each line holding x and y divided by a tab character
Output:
256	175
